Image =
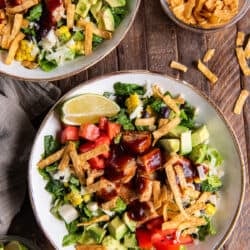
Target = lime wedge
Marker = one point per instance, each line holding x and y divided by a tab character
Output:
15	245
87	108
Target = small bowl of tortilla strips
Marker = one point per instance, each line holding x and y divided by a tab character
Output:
54	39
205	15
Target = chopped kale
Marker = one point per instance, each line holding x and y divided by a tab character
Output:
128	89
51	145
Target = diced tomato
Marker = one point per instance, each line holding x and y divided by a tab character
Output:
164	242
143	237
154	225
102	123
69	133
103	139
97	162
113	129
187	239
89	131
85	147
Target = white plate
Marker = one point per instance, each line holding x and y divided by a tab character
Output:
79	64
222	138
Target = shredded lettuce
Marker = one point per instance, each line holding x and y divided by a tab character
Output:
35	13
51	145
119	13
206	230
56	188
187	115
120	206
211	184
70	239
128	89
123	119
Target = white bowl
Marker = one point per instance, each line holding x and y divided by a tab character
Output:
79	64
222	137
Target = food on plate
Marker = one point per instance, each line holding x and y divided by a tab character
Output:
241	101
247	49
12	245
47	33
240	38
179	66
208	56
204	13
207	72
144	177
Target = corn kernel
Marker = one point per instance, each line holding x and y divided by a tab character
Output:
210	209
86	197
75	198
63	33
25	51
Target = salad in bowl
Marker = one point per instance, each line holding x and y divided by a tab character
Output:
133	170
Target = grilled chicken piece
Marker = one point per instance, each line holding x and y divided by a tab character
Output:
127	193
137	142
121	168
144	188
104	189
93	174
141	211
150	161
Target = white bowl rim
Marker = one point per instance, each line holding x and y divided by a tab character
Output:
193	88
77	71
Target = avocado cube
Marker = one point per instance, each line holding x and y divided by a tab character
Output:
83	7
108	19
200	135
117	228
112	244
130	240
87	239
176	132
170	145
96	232
116	3
131	224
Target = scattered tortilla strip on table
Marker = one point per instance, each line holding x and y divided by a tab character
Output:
179	66
241	101
207	72
247	49
209	54
240	38
242	61
51	159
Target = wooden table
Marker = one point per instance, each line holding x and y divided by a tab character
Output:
152	42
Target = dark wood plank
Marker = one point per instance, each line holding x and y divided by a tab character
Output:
161	39
132	52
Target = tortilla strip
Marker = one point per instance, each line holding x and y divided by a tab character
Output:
145	121
207	72
190	4
192	193
165	212
204	197
162	121
156	190
90	247
192	222
76	162
241	101
13	48
88	38
209	54
21	7
5	35
65	159
101	33
174	187
242	61
179	66
94	152
247	49
17	24
92	174
70	15
240	38
163	130
101	218
51	159
179	171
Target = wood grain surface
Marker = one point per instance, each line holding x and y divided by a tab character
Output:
152	42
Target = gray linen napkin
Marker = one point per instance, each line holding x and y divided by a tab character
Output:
20	102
